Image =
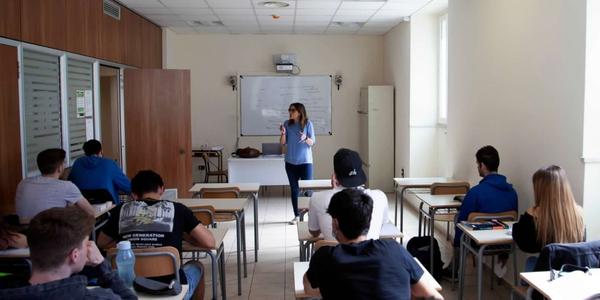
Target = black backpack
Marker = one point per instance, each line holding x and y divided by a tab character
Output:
419	247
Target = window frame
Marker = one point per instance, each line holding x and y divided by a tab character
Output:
442	84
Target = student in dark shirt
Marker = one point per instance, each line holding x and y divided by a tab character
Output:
358	268
555	217
150	222
59	247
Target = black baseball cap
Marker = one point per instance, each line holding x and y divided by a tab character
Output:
347	166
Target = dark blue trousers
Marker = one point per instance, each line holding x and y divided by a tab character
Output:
295	173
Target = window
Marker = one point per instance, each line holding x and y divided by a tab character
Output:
80	106
42	106
443	72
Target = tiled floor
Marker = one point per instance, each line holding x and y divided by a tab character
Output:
272	276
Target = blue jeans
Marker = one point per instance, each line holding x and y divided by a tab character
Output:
295	173
193	274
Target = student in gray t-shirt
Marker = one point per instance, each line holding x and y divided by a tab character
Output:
46	191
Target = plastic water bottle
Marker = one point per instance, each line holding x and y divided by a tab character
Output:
125	262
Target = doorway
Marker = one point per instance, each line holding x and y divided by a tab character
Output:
110	113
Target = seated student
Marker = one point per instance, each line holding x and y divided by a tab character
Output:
10	237
42	192
348	173
54	263
150	222
362	268
555	216
492	195
93	172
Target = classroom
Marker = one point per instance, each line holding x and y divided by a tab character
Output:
230	129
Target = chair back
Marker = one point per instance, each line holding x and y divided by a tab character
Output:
97	196
510	215
449	188
205	214
321	243
229	192
152	262
553	256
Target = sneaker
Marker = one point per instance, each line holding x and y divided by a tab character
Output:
294	221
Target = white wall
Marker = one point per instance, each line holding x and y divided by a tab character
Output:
516	74
212	58
396	72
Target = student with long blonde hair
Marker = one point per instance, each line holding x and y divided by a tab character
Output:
555	217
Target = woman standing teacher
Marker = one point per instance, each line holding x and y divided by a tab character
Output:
299	136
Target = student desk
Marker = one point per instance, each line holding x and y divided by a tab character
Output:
235	207
300	269
412	182
101	209
435	203
315	184
306	239
15	253
216	254
580	286
477	242
267	170
250	188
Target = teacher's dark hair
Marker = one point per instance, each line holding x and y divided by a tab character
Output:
299	107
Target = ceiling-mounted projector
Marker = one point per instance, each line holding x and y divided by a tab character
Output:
284	63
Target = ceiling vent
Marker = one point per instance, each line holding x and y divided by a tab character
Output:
112	9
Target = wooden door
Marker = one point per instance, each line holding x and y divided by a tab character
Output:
158	125
10	138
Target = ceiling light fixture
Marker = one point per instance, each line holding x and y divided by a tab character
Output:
274	4
349	24
207	23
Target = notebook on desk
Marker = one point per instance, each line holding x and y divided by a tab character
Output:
271	149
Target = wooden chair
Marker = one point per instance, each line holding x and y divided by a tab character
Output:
152	262
217	193
447	188
220	174
205	214
321	243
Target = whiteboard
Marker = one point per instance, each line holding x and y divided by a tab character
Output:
265	101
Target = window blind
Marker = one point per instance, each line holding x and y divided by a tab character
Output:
80	103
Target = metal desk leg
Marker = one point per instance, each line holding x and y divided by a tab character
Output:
255	196
480	272
213	264
238	234
432	238
243	225
221	255
462	264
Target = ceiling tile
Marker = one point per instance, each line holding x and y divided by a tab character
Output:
374	24
208	29
386	18
268	20
152	10
237	18
331	4
277	12
183	30
240	23
142	3
229	3
353	12
407	5
163	17
313	18
169	23
234	11
350	18
395	12
361	5
314	12
184	3
192	11
207	18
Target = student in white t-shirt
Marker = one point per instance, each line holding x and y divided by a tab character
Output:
348	173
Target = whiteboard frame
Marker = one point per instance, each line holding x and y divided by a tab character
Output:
239	102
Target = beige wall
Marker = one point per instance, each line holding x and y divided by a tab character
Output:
212	58
396	72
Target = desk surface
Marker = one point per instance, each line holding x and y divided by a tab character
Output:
315	184
301	267
102	208
15	253
489	237
572	286
244	187
421	182
220	205
260	158
390	231
439	201
184	289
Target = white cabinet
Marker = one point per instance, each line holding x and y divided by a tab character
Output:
376	122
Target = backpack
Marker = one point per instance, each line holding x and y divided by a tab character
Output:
419	247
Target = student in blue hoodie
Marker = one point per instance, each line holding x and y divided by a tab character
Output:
492	195
93	172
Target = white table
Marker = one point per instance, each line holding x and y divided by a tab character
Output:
249	188
315	184
484	240
412	182
234	207
266	170
300	269
15	253
571	286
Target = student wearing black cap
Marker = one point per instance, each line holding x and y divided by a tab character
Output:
348	173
